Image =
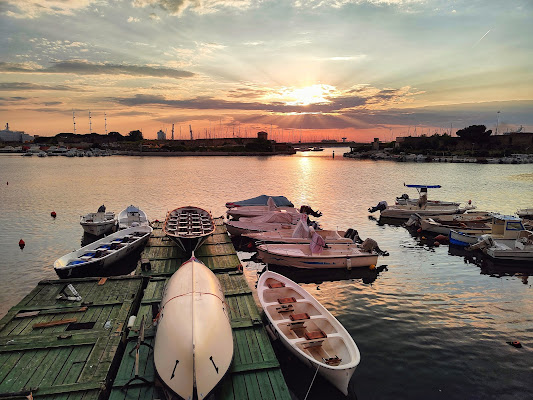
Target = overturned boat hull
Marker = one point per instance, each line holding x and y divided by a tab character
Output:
194	342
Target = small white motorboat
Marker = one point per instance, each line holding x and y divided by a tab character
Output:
525	213
189	227
443	227
503	227
315	255
308	330
508	250
422	206
255	211
194	342
274	220
98	223
132	216
302	234
96	258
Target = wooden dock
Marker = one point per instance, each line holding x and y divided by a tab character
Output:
255	372
68	339
56	345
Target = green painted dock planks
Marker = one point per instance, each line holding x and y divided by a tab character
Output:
254	373
57	348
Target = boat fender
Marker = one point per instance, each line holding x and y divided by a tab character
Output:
436	244
441	238
372	267
348	264
53	214
131	321
419	230
515	343
22	244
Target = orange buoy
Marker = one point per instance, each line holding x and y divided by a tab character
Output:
53	214
22	244
515	343
441	238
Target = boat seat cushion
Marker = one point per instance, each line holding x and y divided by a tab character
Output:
315	335
332	360
286	300
274	285
297	317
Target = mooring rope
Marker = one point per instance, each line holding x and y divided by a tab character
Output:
308	390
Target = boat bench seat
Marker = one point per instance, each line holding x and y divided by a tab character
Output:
315	335
286	300
298	317
274	285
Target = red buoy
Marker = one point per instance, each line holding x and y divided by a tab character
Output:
21	244
515	343
441	238
419	230
436	244
53	214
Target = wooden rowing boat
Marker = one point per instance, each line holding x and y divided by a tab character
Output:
194	342
189	227
307	329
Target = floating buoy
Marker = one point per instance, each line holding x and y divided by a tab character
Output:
419	230
436	244
22	244
515	343
423	238
441	238
249	245
372	266
53	214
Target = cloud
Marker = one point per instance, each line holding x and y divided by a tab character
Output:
154	17
36	8
133	19
14	86
178	7
83	67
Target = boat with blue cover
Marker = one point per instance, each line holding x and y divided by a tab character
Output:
97	258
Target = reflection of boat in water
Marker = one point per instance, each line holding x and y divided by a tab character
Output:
319	276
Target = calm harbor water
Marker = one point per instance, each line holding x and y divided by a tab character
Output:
429	324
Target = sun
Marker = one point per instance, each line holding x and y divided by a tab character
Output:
307	95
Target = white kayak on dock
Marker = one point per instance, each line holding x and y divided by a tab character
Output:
194	342
308	330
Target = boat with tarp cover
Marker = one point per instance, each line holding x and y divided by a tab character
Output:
189	227
255	211
280	201
275	220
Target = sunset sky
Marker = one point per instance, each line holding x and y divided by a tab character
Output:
314	69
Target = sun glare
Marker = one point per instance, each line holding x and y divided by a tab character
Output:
307	95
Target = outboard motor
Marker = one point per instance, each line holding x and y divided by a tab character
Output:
355	237
101	209
308	210
404	196
370	245
379	207
348	233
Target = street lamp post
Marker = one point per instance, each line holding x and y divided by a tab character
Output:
497	121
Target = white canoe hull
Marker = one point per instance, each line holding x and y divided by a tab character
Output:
194	342
299	256
299	324
96	258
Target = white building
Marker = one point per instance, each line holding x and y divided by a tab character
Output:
7	135
161	135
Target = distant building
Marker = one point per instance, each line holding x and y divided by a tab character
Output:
7	135
161	135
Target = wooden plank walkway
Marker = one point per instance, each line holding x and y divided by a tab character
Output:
254	373
58	348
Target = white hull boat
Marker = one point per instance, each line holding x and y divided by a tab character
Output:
508	250
132	216
503	227
275	220
308	330
525	213
255	211
189	227
300	256
301	234
457	238
194	342
429	224
96	258
98	223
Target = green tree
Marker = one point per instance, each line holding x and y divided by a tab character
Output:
474	133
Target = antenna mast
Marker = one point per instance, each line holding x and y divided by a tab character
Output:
105	122
172	131
190	129
74	120
90	123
